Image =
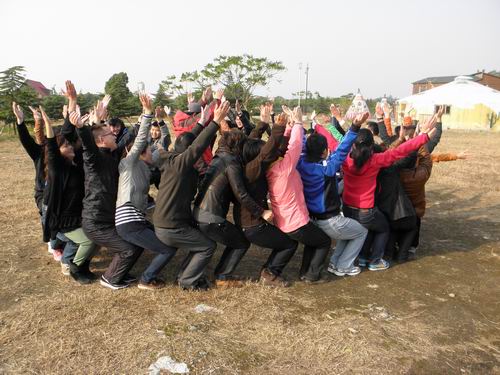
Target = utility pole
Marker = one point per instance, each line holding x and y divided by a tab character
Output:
300	82
307	83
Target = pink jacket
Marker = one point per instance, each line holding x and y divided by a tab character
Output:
285	187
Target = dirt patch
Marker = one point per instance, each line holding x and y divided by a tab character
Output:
439	314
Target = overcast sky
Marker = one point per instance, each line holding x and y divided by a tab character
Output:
379	46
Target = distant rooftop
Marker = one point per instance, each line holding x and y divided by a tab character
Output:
448	79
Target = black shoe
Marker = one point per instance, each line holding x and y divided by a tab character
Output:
77	274
311	281
104	282
201	285
129	279
85	267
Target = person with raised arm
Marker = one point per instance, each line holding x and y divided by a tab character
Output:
36	150
132	202
258	156
318	172
101	157
223	183
64	202
291	216
360	177
173	218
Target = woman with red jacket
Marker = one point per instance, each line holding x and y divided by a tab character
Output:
360	179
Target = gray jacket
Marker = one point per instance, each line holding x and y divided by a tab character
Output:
133	185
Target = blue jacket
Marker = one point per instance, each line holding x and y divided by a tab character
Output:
320	183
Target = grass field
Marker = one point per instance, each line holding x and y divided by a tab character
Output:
439	314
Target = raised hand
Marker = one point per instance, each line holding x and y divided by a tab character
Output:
147	106
287	111
45	118
313	115
282	119
335	111
190	98
360	119
387	110
18	112
429	126
237	107
221	112
36	113
167	110
70	93
440	113
65	111
207	95
219	94
265	113
379	110
106	100
160	113
203	116
297	115
77	120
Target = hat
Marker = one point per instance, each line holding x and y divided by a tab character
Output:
407	121
194	107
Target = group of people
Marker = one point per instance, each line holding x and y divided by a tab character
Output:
361	184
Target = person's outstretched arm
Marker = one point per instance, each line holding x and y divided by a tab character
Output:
32	148
141	140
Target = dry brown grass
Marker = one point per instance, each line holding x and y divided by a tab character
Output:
399	321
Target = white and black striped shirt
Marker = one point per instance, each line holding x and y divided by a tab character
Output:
127	213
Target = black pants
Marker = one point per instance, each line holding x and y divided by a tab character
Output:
403	232
416	239
124	253
269	236
316	248
227	234
378	231
201	249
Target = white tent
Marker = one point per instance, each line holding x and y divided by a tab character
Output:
472	105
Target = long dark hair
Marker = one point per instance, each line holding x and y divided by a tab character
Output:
362	149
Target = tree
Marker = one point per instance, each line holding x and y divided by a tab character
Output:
53	105
123	102
161	99
13	88
239	75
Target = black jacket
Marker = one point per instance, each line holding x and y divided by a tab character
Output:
101	179
65	192
37	153
255	175
179	180
223	184
391	198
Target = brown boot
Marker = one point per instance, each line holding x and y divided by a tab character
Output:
269	279
229	282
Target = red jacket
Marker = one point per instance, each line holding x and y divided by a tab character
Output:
184	122
359	185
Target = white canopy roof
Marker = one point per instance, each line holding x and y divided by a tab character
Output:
463	92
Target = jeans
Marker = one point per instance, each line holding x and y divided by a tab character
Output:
124	253
228	234
378	227
200	248
317	245
269	236
142	234
350	236
82	250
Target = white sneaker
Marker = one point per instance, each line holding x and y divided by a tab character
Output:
331	268
50	250
353	271
65	269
